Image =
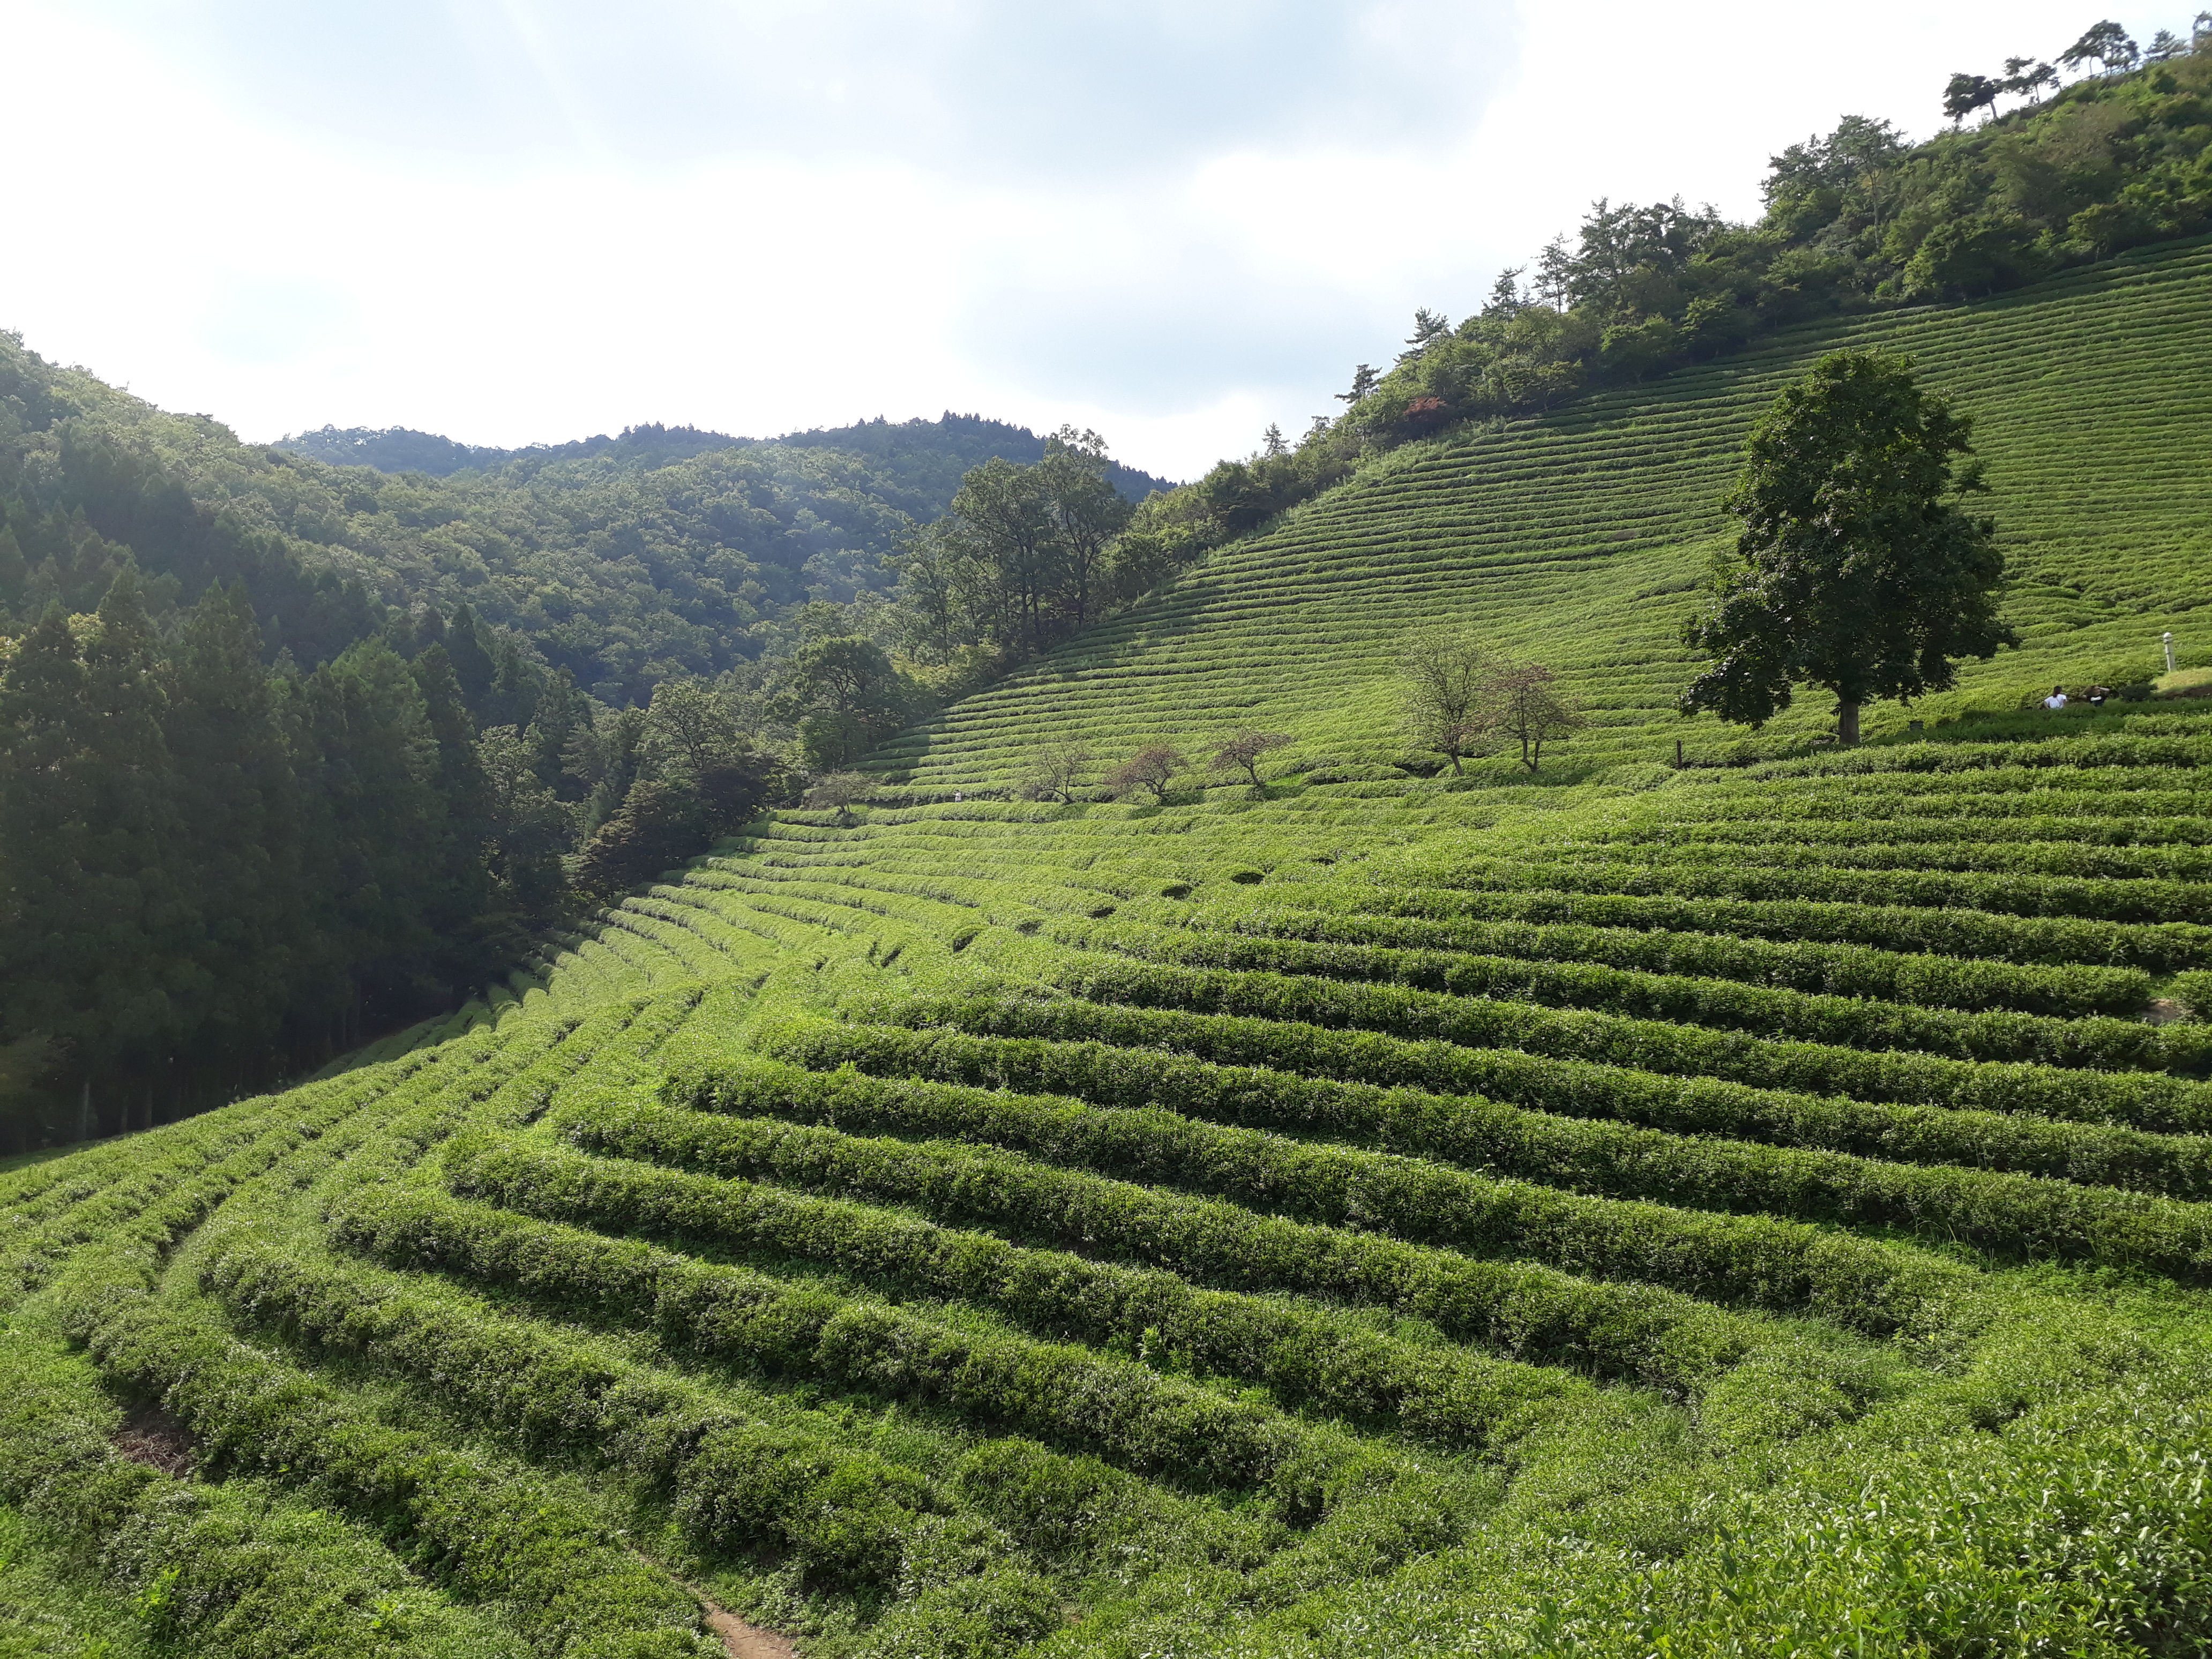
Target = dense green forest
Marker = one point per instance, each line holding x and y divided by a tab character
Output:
296	752
625	562
922	461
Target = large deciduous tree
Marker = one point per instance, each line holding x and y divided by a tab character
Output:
1086	511
1026	555
845	695
1859	569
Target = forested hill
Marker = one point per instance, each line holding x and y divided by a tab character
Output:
626	561
929	458
923	460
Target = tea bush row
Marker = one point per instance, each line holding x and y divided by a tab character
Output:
839	1511
2170	755
171	1182
1217	1239
1648	1045
1845	971
1570	1087
1733	1256
2079	897
1792	808
2071	861
1529	1123
1854	827
1677	998
483	1532
2059	943
1154	1424
220	1571
1305	1357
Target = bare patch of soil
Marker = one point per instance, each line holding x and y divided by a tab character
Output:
150	1436
745	1641
2163	1010
739	1639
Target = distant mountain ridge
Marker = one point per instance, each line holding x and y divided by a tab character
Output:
927	457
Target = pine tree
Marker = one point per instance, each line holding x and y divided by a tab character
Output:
562	712
378	829
98	928
238	845
473	666
45	803
455	888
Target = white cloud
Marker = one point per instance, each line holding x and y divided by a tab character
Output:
514	219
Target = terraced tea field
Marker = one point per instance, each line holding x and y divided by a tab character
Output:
1757	1208
1575	539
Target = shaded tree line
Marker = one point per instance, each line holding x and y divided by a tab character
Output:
1024	556
218	870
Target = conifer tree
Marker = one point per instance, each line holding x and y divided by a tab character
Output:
45	803
562	712
237	837
380	826
471	656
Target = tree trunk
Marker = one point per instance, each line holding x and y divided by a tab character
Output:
1847	724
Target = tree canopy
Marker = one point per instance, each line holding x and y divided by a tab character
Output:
1859	569
1025	556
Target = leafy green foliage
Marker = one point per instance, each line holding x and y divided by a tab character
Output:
1855	571
1024	555
844	695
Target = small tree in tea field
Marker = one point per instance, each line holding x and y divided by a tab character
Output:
1442	673
1053	771
1153	766
1241	753
1521	702
1857	570
841	791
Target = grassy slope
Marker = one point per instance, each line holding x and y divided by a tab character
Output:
1738	1205
1571	538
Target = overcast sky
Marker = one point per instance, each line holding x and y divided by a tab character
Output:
520	221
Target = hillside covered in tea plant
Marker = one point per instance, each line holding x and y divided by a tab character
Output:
1763	1205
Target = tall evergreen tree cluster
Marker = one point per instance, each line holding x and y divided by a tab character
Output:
216	871
213	872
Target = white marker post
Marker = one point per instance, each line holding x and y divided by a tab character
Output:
2169	654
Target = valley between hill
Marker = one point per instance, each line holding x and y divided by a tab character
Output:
1745	1207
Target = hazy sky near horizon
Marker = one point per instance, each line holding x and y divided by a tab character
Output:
522	221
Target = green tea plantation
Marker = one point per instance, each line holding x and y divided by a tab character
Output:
1755	1206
